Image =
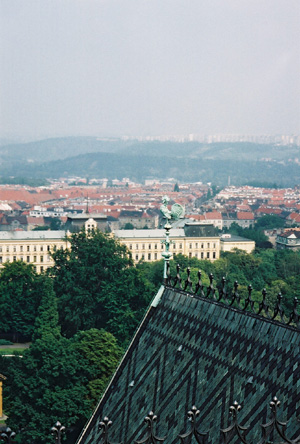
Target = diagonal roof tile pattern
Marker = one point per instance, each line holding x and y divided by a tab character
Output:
190	350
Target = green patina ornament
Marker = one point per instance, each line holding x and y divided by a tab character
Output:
176	212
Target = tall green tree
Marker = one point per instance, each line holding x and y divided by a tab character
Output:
20	294
48	383
100	356
98	286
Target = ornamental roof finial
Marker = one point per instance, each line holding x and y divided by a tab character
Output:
176	212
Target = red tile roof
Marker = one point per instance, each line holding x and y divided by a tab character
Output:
213	215
243	207
245	215
196	216
265	210
294	217
35	220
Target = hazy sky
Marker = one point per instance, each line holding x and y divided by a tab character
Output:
139	67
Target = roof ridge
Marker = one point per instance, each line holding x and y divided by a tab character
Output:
232	300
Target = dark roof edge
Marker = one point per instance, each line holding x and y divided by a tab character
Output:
232	298
235	309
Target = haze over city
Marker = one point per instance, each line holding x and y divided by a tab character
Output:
137	68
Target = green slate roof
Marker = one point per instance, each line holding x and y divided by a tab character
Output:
190	350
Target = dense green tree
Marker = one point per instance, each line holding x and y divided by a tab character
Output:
176	187
153	272
209	194
128	226
46	322
246	264
48	383
287	263
267	267
215	190
270	221
56	224
100	356
260	239
98	286
20	292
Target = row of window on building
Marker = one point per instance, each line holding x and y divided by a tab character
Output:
195	245
154	257
22	248
29	259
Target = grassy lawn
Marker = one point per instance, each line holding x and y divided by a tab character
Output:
10	351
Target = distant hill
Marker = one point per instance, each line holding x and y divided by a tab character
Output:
217	151
191	161
62	148
58	148
186	169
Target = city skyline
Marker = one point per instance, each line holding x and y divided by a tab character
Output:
272	139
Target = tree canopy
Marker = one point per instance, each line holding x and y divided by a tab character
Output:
20	290
270	221
128	226
100	356
57	378
98	286
48	382
256	234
